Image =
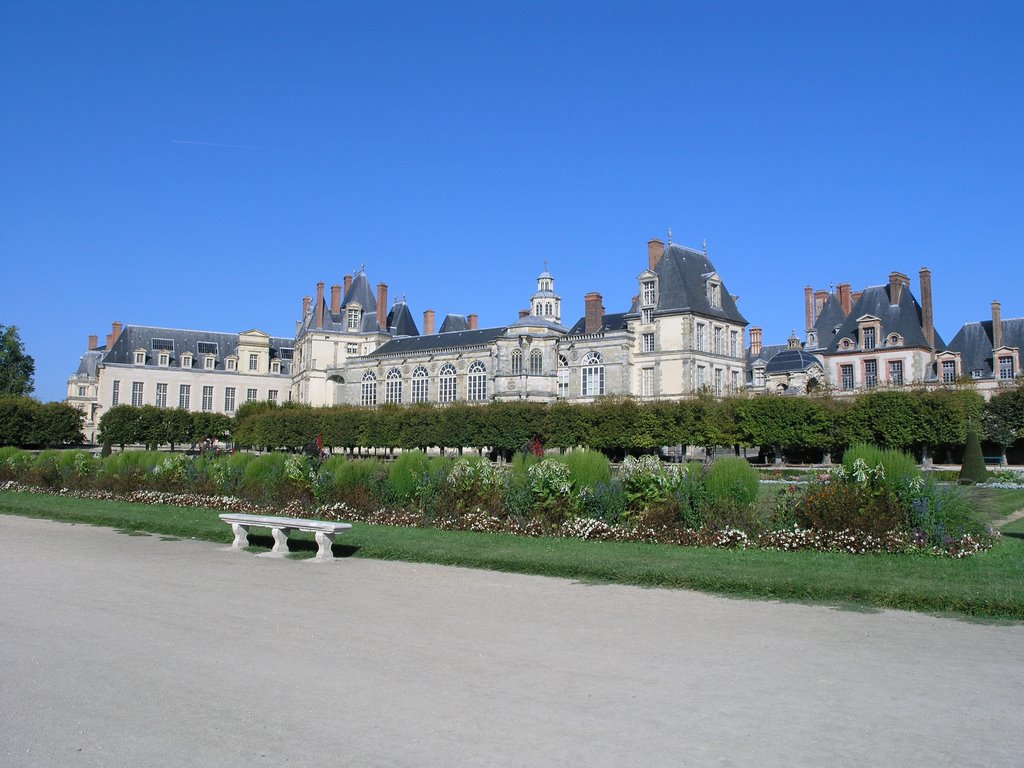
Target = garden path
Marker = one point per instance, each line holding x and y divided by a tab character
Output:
1010	518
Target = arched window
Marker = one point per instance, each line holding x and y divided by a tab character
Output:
420	385
547	308
393	386
369	389
517	362
563	376
446	384
536	363
477	383
592	375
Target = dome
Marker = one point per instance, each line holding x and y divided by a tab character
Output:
791	360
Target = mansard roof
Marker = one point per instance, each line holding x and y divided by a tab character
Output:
439	341
904	318
454	323
974	343
682	285
133	337
789	360
87	365
400	321
830	318
612	322
360	292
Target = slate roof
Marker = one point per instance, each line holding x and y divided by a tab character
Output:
904	318
830	318
974	343
400	321
682	285
141	337
768	351
448	340
87	365
453	323
359	292
534	322
612	322
789	360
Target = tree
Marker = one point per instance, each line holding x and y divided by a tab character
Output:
17	369
58	424
973	470
18	416
1004	419
120	425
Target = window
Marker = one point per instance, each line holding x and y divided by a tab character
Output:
81	391
393	386
287	353
272	395
275	366
734	343
701	377
563	376
207	348
846	375
254	362
447	388
701	337
352	318
207	398
517	362
592	375
1006	367
209	362
140	358
476	387
184	393
368	392
735	381
896	372
976	373
136	393
115	393
648	291
420	385
231	364
163	359
186	360
547	308
759	377
869	338
715	295
718	336
647	382
949	371
718	381
351	349
648	342
647	315
163	344
251	395
229	399
870	374
536	363
161	395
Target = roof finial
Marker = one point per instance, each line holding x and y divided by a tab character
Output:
670	235
363	267
545	265
705	246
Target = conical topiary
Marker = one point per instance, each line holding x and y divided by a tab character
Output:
973	469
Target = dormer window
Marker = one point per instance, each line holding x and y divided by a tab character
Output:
869	338
352	317
649	291
845	344
186	360
140	357
209	362
275	366
231	364
254	361
715	294
163	359
895	340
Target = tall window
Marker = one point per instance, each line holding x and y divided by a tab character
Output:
477	382
163	359
647	315
420	385
184	395
115	394
1006	367
718	336
251	395
896	372
948	371
161	395
186	361
647	382
592	375
734	343
563	376
209	362
140	358
870	374
648	291
718	381
393	386
536	363
447	389
846	375
136	393
352	319
81	391
229	399
715	294
207	398
547	308
869	338
368	394
702	341
735	381
231	364
701	377
517	362
254	362
272	395
648	342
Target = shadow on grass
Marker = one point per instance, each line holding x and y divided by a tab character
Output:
298	549
1013	535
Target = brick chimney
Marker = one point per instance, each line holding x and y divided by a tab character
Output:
524	313
335	299
927	317
320	304
382	306
594	316
306	301
472	321
845	299
897	282
820	297
655	250
116	330
110	340
997	325
348	283
93	340
755	341
428	322
809	314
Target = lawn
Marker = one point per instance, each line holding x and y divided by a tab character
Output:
986	585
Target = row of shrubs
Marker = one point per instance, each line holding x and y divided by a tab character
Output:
876	500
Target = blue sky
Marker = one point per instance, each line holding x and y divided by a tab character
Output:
203	164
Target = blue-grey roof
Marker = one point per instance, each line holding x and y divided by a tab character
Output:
454	323
904	318
534	322
790	360
682	285
829	320
439	341
612	322
400	321
359	292
87	365
135	337
974	343
768	351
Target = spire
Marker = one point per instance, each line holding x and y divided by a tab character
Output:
670	235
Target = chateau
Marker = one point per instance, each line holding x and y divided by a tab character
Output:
682	334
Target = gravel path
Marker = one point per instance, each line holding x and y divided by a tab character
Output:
119	650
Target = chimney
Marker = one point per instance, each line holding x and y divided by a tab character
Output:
335	299
92	342
809	314
594	317
306	301
820	297
428	322
116	330
845	299
927	318
755	341
110	341
382	306
524	313
897	282
320	304
997	325
655	250
472	321
348	283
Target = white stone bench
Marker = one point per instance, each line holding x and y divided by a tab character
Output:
280	528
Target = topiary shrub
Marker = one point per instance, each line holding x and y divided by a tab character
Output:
973	469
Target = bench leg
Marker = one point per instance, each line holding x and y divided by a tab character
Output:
324	541
241	536
280	541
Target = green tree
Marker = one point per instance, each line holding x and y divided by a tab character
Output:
17	370
1004	419
17	420
121	425
58	424
177	426
215	426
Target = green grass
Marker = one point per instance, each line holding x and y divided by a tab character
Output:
989	585
994	503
